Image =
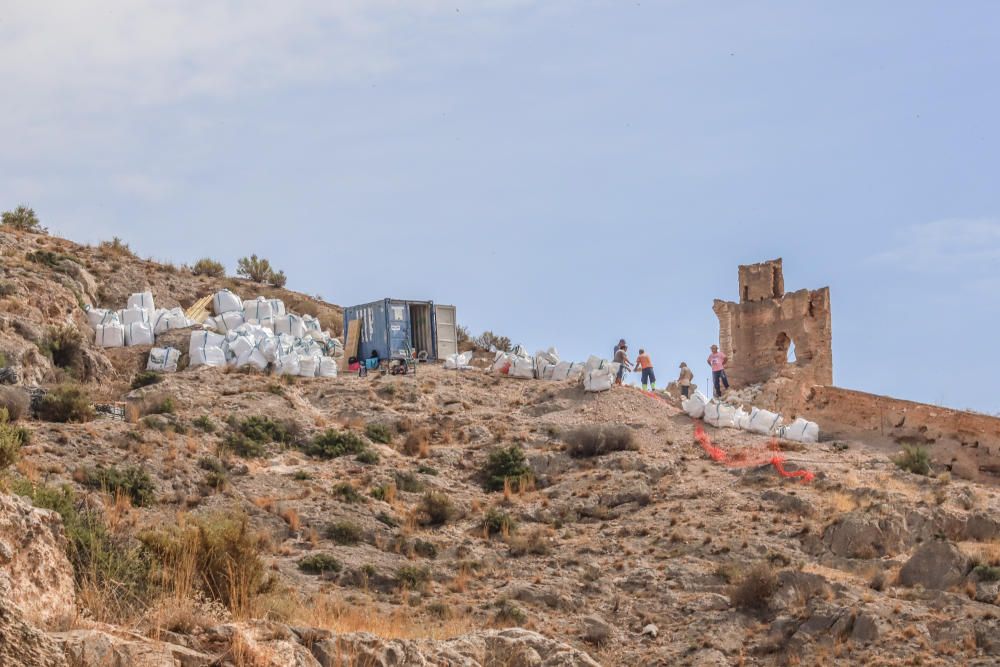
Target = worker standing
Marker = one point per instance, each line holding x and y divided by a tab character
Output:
645	364
684	380
717	360
624	363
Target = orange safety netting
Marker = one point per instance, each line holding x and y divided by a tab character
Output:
747	457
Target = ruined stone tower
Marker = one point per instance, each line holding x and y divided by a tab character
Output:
758	332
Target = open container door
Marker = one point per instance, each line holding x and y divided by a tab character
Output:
447	331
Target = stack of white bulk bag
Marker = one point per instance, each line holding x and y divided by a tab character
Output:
129	316
800	430
598	379
174	318
311	323
291	325
595	363
163	359
763	422
277	307
139	333
308	365
695	405
206	349
142	301
567	370
225	301
111	334
327	367
460	361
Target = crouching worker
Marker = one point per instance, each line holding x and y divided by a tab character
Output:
684	380
645	364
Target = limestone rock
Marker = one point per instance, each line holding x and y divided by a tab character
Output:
23	645
860	536
596	630
936	565
95	647
866	628
35	574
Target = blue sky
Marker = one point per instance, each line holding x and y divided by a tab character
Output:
566	173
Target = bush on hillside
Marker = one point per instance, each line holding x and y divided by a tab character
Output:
436	508
66	403
23	218
754	588
131	481
490	341
12	438
319	564
378	432
505	463
259	270
16	401
146	378
208	267
63	345
598	440
914	458
332	444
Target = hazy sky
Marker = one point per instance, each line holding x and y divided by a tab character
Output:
565	172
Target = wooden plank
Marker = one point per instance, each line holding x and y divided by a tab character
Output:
353	340
199	310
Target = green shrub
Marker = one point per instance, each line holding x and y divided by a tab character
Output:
368	457
16	401
23	218
12	438
425	549
347	493
7	289
598	440
205	424
412	577
132	481
509	613
754	588
986	573
146	378
344	532
243	446
424	469
265	430
66	403
162	407
503	464
53	260
498	522
332	444
436	508
914	458
387	519
378	432
319	564
259	271
208	267
301	475
407	481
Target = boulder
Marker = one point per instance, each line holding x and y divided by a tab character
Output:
856	535
982	528
937	565
596	630
35	574
867	628
95	647
22	644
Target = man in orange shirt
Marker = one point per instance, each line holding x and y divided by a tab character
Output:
645	364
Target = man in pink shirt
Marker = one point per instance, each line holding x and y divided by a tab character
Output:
717	360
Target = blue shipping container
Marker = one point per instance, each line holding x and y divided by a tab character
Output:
396	327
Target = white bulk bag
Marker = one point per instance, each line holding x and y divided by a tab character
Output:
287	365
458	360
721	415
163	359
328	367
499	362
129	316
311	323
547	356
277	307
205	349
291	325
545	370
522	368
225	301
241	345
567	370
600	379
252	357
695	405
308	366
109	335
801	430
763	422
166	320
259	309
743	420
97	316
226	322
142	301
139	333
595	363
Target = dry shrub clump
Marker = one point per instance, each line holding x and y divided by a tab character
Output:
754	588
15	401
12	438
66	403
418	443
436	509
598	440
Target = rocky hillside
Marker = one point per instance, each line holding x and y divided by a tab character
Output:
451	518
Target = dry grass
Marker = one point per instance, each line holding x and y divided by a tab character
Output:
330	614
984	553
